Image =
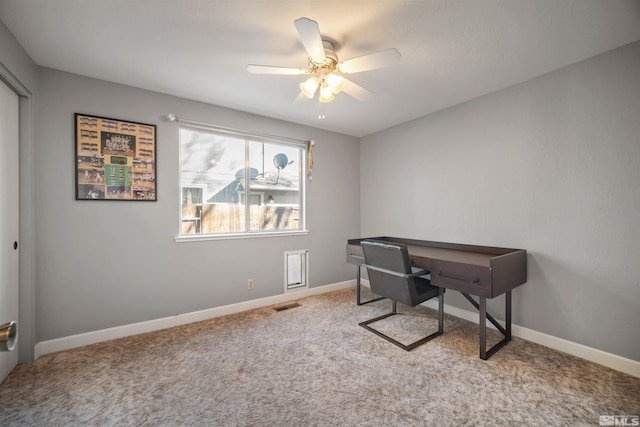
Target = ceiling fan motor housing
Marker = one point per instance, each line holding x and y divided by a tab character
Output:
331	61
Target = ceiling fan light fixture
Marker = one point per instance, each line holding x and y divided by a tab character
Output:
329	99
335	82
308	88
326	95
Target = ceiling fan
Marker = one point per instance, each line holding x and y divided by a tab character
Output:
325	70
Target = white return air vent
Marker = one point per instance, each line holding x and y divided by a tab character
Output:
296	270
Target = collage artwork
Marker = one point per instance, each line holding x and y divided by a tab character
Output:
115	160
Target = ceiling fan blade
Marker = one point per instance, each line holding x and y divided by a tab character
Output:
309	32
268	69
356	91
371	61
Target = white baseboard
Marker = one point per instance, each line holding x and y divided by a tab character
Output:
609	360
66	343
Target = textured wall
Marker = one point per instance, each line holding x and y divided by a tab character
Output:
551	165
104	264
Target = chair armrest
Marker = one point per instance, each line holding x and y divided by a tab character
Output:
396	273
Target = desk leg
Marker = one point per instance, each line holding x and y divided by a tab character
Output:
484	316
508	314
358	300
483	328
358	277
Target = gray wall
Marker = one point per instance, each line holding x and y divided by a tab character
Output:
15	60
551	165
110	263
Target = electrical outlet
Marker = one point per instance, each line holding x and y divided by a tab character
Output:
250	284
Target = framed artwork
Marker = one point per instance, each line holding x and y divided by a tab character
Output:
115	159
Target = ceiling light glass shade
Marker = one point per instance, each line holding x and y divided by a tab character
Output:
326	95
335	82
329	99
309	87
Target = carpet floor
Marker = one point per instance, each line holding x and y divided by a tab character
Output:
312	365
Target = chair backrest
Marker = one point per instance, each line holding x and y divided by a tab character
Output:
394	257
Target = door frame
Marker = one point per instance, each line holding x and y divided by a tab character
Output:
27	208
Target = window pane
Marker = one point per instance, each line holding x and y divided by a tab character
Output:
275	188
213	163
191	210
216	171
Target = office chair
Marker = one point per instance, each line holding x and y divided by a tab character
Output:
391	276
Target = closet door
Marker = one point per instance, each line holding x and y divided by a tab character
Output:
9	209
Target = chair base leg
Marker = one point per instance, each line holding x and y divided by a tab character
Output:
359	291
407	347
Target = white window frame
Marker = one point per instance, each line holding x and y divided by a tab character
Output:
248	136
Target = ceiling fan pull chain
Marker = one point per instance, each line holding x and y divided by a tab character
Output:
321	115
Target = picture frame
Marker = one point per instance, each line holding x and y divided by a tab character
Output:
115	159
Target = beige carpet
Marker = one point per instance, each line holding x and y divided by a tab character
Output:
312	365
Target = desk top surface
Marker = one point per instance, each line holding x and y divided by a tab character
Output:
467	254
477	270
455	255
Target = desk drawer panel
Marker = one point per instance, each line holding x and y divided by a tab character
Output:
471	279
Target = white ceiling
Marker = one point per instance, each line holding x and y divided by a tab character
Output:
452	50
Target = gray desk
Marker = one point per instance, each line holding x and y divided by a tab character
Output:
481	271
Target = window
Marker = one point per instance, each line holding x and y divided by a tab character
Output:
239	184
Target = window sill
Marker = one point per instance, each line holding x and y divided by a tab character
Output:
206	237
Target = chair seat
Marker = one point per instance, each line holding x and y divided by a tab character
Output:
425	290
